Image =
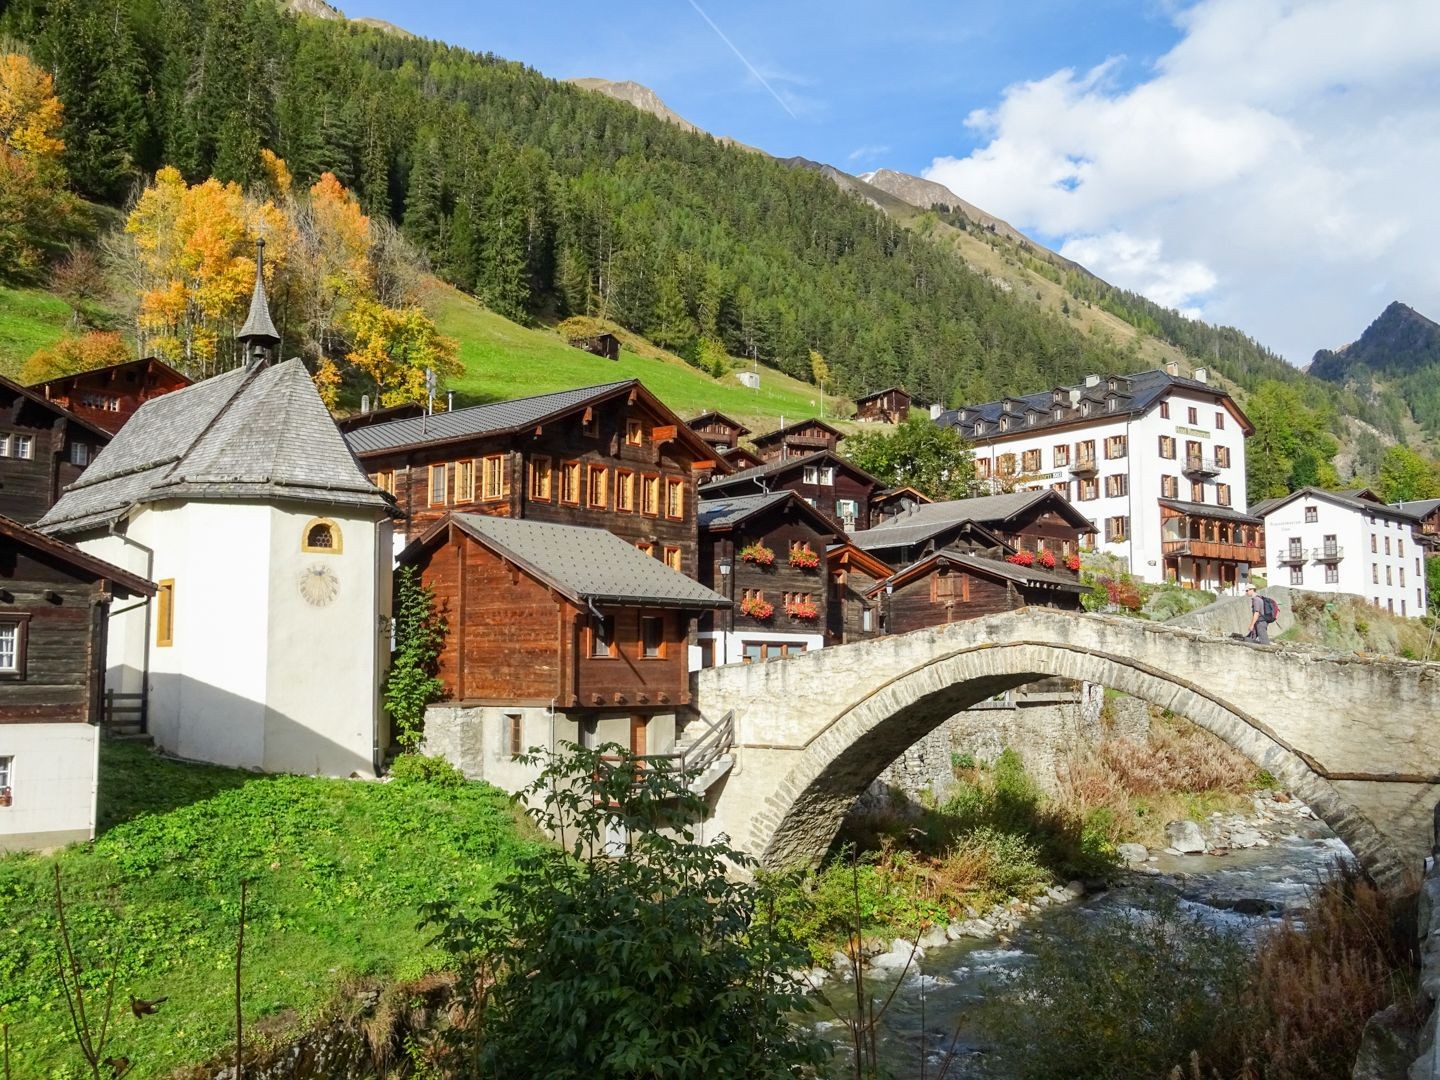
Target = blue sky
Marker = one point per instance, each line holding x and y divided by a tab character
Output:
1263	163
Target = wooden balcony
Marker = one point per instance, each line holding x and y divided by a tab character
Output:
1215	549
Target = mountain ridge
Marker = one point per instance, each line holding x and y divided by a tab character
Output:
1396	357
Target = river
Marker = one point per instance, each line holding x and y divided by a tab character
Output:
933	1004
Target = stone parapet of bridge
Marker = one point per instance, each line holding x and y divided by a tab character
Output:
1356	737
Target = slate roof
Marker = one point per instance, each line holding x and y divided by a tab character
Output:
780	433
877	393
584	564
258	433
1134	394
1215	513
1339	498
259	327
1419	507
740	429
496	418
721	513
777	465
1032	576
931	519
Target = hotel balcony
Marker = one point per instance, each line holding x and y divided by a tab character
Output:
1216	549
1291	557
1201	466
1330	553
1085	466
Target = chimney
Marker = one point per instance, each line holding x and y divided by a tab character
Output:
1074	397
364	404
936	410
1201	375
258	335
1172	368
1091	380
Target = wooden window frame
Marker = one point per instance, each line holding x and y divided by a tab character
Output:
444	470
1197	492
672	486
23	447
1193	412
1220	421
646	546
1169	487
384	479
1116	447
634	433
165	613
1095	489
337	548
625	491
1222	456
1027	457
541	468
1168	441
20	620
500	464
677	562
646	479
1222	494
579	474
465	480
1060	455
603	473
514	734
643	648
1164	410
608	624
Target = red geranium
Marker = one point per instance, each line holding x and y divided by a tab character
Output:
1021	558
803	557
756	608
1072	563
758	554
1047	560
805	609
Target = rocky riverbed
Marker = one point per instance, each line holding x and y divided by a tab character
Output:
1241	870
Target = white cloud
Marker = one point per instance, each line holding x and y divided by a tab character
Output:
868	153
1269	171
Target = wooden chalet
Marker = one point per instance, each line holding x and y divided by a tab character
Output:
830	483
1043	523
43	448
895	502
766	553
950	585
610	456
739	457
1427	521
800	439
603	345
553	625
1204	543
718	430
888	406
853	614
54	617
109	396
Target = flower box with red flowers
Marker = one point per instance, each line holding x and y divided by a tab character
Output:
758	554
805	609
804	557
756	608
1072	563
1047	560
1021	558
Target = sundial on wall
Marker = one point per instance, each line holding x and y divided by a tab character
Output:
319	585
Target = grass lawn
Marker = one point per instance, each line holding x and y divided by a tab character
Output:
337	870
30	319
505	360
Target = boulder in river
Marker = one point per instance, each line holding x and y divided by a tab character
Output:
1185	837
1245	838
970	928
1132	854
933	937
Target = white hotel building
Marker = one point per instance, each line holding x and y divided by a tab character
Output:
1346	542
1156	460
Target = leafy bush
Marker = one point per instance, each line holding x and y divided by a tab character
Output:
425	769
411	683
603	963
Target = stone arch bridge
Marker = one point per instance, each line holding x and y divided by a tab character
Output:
1357	738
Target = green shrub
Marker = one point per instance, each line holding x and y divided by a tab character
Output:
419	635
424	769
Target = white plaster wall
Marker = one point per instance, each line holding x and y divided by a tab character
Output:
129	620
1142	464
1354	531
325	662
730	645
53	783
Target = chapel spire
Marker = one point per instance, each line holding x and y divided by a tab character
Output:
259	336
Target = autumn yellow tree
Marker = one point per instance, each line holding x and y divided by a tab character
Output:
35	207
394	347
73	354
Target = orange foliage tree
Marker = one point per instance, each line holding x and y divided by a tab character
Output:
35	207
74	354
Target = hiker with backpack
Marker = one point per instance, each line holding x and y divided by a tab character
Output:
1263	612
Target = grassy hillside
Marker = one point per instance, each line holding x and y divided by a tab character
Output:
504	360
337	870
30	319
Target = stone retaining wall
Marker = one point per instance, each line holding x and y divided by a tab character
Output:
1427	1065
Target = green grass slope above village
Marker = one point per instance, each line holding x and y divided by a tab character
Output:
503	359
337	870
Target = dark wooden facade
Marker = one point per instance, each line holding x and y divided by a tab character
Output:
514	639
718	430
889	406
946	588
54	603
624	463
43	447
739	457
602	345
895	502
777	525
827	481
797	440
853	613
1047	523
109	396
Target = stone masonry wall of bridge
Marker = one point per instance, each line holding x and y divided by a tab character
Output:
1356	738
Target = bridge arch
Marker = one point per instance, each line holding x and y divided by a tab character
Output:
794	807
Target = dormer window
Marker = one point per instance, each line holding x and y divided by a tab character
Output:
1112	384
1059	414
322	537
1030	419
1110	404
1004	423
1084	408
